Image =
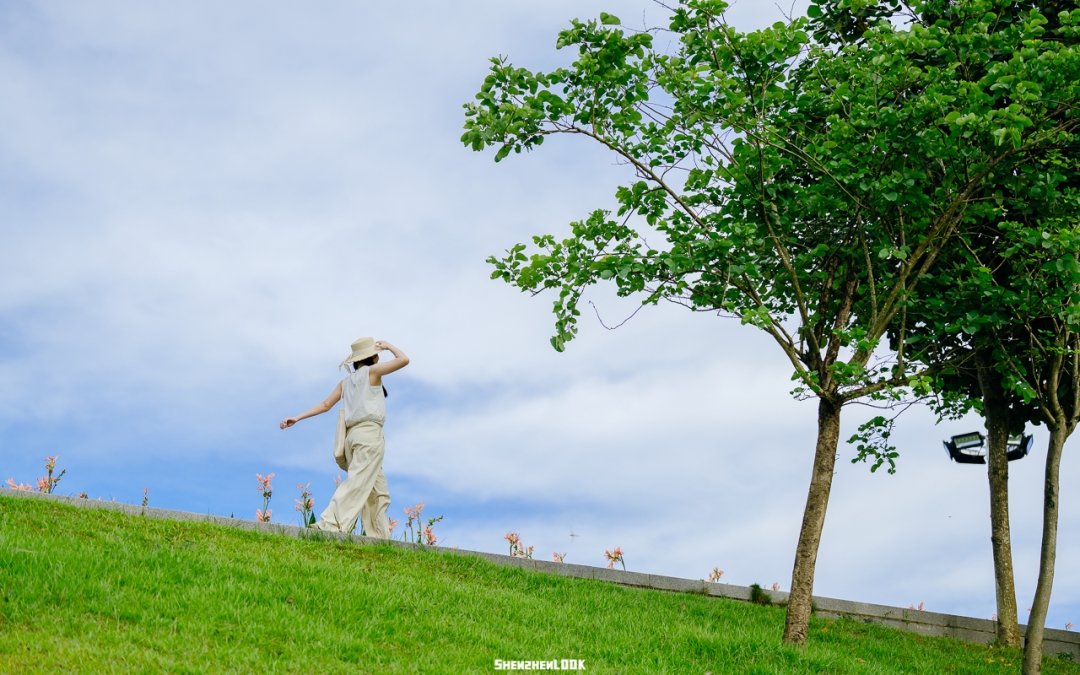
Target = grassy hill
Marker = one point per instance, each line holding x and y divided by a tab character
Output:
95	591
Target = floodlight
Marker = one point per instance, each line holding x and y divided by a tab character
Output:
967	448
971	448
972	440
1019	446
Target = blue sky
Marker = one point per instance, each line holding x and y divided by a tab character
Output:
201	206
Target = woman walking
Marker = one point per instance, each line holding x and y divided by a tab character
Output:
362	397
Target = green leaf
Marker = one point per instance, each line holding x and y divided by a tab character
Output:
813	11
609	19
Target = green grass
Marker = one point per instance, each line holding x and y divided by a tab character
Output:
94	591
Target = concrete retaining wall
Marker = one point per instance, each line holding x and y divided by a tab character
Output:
925	623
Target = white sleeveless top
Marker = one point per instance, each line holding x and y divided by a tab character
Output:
361	401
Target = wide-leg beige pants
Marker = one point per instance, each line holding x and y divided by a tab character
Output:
364	489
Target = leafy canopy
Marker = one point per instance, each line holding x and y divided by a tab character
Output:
802	183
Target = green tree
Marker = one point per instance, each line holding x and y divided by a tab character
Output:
1036	351
1026	283
1022	281
974	308
1055	384
966	306
974	299
803	188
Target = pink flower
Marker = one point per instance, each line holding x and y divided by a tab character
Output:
429	536
413	514
48	483
993	617
145	496
559	557
337	481
776	586
263	517
392	523
305	505
21	486
515	542
1068	626
715	575
516	548
264	483
615	556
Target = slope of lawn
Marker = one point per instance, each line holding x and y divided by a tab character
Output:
95	591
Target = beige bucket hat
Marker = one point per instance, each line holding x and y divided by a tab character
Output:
361	349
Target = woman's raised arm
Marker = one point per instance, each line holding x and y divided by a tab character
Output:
399	361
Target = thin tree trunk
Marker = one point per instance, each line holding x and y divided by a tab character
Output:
996	410
1033	648
817	501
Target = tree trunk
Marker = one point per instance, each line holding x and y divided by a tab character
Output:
1033	648
817	501
996	411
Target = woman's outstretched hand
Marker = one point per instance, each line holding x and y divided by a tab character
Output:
288	422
